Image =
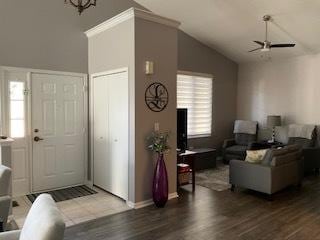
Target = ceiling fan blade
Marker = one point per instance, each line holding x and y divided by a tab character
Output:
282	45
255	49
260	43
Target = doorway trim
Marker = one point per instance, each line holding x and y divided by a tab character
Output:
4	107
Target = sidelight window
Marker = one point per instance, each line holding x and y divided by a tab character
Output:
17	109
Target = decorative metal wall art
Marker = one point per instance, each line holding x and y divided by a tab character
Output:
156	97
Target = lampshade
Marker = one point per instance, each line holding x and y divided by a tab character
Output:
273	121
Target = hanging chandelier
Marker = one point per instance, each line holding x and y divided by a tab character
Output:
81	4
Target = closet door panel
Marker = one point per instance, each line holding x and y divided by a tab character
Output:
118	133
100	132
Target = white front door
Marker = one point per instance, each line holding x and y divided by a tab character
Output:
58	131
111	132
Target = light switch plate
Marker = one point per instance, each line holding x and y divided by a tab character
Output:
157	127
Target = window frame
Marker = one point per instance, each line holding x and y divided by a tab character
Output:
7	75
204	75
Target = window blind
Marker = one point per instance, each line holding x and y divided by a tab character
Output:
195	94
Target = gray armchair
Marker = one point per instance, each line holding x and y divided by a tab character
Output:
236	148
311	159
44	222
279	169
5	198
310	151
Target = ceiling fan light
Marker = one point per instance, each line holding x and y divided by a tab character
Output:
266	45
265	49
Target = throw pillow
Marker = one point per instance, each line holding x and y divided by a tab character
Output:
255	156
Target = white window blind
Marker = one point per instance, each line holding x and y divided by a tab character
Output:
195	94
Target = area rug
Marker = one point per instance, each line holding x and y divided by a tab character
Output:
216	179
65	194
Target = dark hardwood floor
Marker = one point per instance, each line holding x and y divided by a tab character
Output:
293	214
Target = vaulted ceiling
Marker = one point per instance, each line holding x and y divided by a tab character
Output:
230	26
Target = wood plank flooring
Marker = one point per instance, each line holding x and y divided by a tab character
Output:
294	214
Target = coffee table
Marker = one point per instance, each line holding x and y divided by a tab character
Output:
197	159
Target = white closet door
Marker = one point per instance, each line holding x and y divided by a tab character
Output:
100	131
118	133
111	128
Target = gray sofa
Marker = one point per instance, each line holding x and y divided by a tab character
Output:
310	147
279	169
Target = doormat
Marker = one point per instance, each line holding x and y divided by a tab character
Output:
65	194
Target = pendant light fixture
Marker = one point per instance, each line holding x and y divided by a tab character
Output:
81	4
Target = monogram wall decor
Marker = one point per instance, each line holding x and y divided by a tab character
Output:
156	97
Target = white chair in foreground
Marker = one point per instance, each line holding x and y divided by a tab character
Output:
5	198
44	222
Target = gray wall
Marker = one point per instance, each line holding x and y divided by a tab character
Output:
196	57
106	9
47	34
157	43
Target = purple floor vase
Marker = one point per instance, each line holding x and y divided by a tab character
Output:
160	183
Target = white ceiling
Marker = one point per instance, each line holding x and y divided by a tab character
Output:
230	26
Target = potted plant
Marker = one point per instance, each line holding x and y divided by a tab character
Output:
158	143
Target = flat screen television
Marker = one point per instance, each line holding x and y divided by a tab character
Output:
182	129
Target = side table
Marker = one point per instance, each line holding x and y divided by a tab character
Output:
188	157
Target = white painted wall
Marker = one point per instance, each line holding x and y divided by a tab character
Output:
288	87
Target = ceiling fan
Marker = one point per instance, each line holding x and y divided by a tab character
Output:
266	45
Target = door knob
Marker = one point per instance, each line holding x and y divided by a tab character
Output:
37	139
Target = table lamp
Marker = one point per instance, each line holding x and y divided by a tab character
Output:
272	123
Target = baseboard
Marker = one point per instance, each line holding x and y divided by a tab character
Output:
140	204
149	202
173	195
